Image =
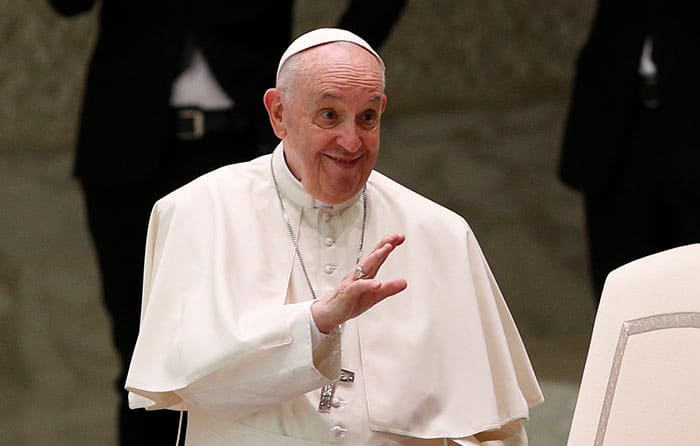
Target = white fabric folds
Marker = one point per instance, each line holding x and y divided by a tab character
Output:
443	359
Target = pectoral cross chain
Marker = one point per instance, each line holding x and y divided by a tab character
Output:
327	391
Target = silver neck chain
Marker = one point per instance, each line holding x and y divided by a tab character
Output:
295	242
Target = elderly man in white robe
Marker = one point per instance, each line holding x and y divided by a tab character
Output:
269	321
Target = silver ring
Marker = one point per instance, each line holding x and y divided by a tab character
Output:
360	273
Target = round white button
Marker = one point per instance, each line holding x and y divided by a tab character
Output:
326	216
337	402
329	241
329	269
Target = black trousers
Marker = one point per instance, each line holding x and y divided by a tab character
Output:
118	220
647	208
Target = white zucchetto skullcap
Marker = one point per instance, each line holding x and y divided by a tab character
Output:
322	36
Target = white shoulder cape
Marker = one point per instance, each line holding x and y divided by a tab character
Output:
441	359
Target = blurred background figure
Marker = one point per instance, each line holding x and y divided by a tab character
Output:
174	90
631	141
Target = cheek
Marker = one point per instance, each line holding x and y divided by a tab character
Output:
372	144
371	138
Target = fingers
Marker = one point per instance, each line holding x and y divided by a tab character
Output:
375	259
377	290
371	292
394	286
352	301
383	289
392	239
357	293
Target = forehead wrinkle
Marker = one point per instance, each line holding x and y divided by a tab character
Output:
352	75
346	62
341	79
335	97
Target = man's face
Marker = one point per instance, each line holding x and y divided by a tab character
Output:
330	121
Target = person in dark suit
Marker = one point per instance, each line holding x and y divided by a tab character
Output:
631	142
174	90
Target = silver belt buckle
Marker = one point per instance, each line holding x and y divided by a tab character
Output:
197	118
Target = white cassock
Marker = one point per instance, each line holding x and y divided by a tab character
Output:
226	331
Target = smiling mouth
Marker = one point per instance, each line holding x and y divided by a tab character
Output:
345	162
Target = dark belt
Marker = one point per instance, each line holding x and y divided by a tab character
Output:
195	123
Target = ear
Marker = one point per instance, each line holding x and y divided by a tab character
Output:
273	104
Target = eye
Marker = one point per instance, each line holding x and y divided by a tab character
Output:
369	119
327	118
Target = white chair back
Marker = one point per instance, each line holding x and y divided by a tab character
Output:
641	380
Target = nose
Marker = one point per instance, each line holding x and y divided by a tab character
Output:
349	138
